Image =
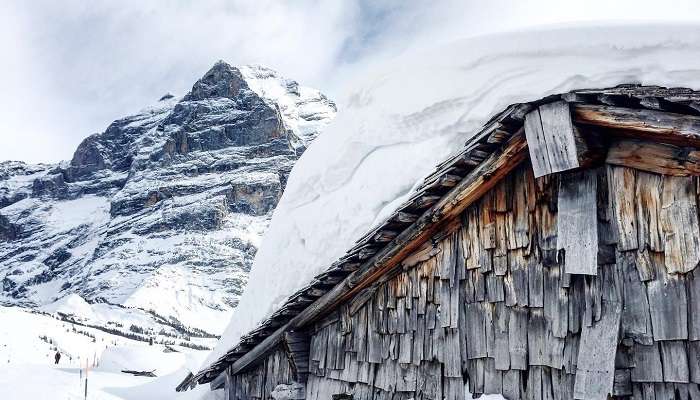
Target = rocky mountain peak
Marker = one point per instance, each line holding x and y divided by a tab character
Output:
163	210
222	80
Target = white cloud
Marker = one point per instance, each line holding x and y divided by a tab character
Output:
69	68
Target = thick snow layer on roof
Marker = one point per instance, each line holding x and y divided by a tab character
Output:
393	128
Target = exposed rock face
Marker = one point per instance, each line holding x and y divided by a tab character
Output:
164	209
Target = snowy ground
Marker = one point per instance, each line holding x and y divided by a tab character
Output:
28	342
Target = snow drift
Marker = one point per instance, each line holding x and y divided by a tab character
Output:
395	126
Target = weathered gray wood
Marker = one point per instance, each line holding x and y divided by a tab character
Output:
577	222
556	303
553	140
537	351
537	144
647	361
693	285
563	148
636	322
675	361
501	319
517	338
668	306
621	189
493	378
679	220
512	385
622	385
596	359
535	273
476	334
694	361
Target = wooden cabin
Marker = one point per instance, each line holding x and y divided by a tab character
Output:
554	257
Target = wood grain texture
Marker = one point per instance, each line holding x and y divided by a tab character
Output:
577	222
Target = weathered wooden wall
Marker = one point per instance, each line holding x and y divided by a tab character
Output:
497	306
258	382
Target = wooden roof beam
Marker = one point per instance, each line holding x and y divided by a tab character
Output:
660	126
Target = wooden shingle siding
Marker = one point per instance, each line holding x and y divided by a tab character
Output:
528	328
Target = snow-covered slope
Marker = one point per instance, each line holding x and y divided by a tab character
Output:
397	124
28	342
164	210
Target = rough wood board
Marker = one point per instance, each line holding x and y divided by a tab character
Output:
648	192
621	191
674	358
559	136
679	220
668	306
659	158
679	129
537	144
577	222
596	358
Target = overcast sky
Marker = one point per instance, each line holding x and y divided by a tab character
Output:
68	68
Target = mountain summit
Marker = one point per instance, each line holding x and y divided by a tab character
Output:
164	210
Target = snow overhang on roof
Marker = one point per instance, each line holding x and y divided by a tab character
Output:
658	113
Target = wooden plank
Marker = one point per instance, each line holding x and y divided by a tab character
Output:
562	146
501	319
694	361
577	222
621	190
653	157
679	220
518	338
537	351
636	322
556	303
554	143
649	190
535	272
537	144
693	285
476	333
647	363
596	358
493	378
668	306
679	129
674	358
512	385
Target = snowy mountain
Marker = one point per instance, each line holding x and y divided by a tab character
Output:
164	210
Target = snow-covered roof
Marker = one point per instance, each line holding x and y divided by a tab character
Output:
397	126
